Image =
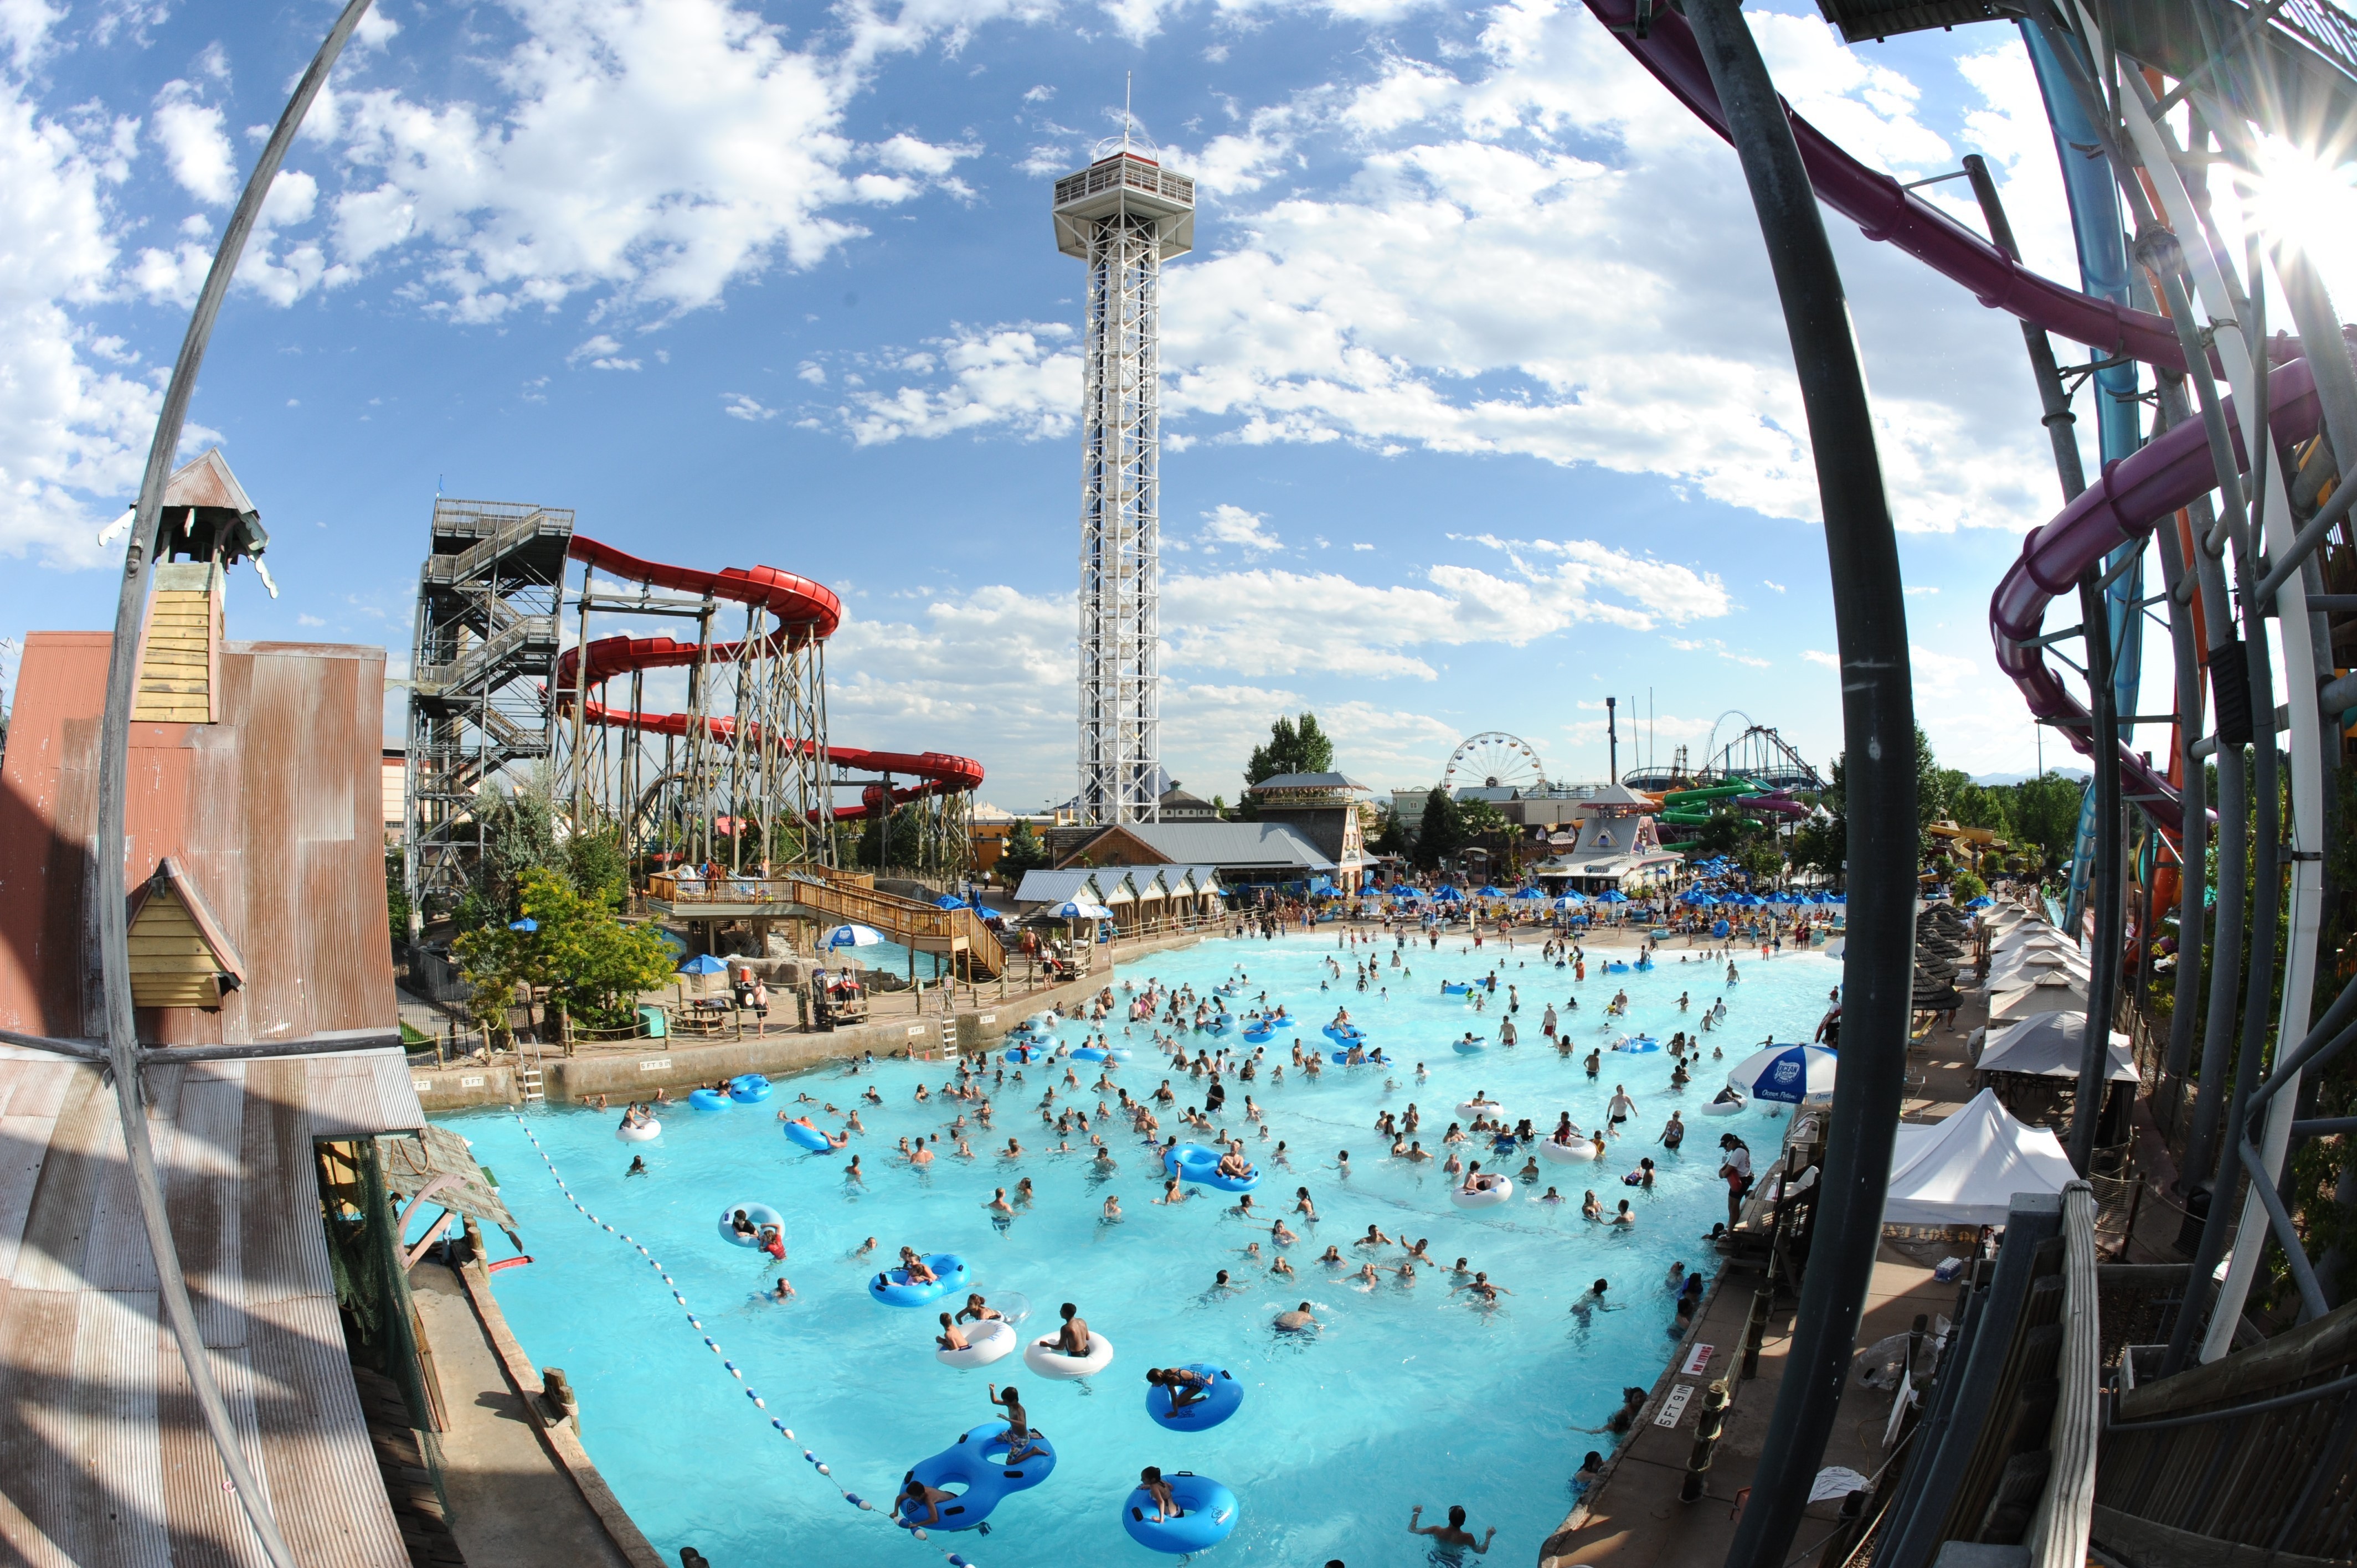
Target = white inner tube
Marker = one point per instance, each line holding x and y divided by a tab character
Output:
1488	1198
1480	1108
984	1342
1577	1153
645	1133
1043	1357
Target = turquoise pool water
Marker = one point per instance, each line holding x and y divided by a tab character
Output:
1410	1393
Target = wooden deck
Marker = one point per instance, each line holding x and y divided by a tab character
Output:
104	1456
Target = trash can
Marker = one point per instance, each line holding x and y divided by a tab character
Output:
653	1016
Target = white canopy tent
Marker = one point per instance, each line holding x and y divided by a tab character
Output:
2031	939
1965	1170
2027	969
2048	1045
2053	993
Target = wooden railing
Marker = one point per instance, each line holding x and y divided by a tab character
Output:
839	895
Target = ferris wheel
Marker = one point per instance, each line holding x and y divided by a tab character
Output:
1494	760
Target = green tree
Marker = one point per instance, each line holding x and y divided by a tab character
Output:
2046	817
1024	852
397	893
590	962
519	837
1391	836
1823	846
1964	885
593	862
1292	747
1442	832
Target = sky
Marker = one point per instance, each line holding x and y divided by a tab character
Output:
1477	407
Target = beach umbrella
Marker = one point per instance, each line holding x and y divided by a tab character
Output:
1699	898
1613	896
950	901
1073	909
1982	902
1487	891
1531	894
1788	1074
1449	895
526	924
848	937
703	963
1569	901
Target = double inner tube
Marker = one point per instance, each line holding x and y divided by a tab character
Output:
892	1286
1498	1192
976	1462
1208	1513
986	1341
1578	1151
709	1099
1220	1401
760	1216
809	1137
646	1132
1194	1162
748	1089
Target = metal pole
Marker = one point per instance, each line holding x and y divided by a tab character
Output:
114	771
2104	967
1878	727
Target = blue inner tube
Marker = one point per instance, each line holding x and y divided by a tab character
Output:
759	1214
1176	1160
977	1462
1220	1401
1467	1047
1024	1056
1641	1043
892	1287
1616	969
1220	1025
810	1138
1455	989
1259	1032
748	1089
1345	1032
709	1099
1088	1054
1208	1514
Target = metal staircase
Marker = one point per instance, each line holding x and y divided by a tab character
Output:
482	657
529	1086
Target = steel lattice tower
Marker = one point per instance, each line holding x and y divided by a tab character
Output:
1124	215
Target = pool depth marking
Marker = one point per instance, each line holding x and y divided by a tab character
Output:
854	1498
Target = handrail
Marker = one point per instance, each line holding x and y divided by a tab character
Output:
832	895
2058	1529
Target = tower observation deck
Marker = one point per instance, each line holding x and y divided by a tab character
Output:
1124	215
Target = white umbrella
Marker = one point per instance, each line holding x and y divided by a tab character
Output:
1790	1074
2022	969
852	937
1073	909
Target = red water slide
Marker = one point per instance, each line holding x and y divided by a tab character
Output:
805	612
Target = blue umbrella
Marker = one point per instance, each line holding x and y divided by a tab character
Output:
526	924
1569	901
1409	894
1788	1074
1613	896
1487	891
950	901
1449	895
703	963
1532	894
1699	898
1982	902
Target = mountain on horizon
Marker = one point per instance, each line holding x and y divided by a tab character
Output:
1991	780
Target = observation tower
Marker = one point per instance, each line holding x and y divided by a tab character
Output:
1124	215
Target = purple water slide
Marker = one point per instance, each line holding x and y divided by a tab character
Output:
1883	210
2133	496
1781	802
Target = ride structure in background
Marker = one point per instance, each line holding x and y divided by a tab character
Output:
711	751
1495	760
1760	756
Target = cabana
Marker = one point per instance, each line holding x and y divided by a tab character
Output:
1964	1171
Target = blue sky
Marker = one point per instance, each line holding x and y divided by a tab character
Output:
1478	402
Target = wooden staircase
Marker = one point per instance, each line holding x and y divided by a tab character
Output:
179	656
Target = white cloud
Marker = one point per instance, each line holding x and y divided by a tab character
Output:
1249	621
195	145
1919	590
1777	587
650	152
1232	525
1818	656
1026	377
601	353
737	405
72	435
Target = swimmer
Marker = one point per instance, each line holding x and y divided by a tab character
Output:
1112	1211
1374	1238
976	1310
637	1166
1453	1533
1297	1320
1332	1256
1280	1268
783	1290
1281	1236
